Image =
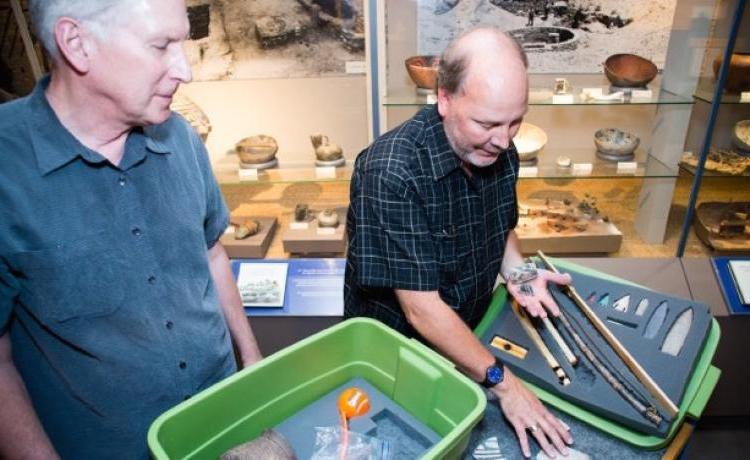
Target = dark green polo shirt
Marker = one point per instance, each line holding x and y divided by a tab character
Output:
105	287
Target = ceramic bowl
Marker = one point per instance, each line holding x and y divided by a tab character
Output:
257	149
741	135
423	71
529	140
615	142
629	70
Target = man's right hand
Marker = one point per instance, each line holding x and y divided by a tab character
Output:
525	412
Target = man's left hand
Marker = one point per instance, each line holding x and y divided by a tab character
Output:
534	296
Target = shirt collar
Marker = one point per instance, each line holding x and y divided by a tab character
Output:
54	146
443	159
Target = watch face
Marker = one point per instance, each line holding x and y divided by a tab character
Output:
494	375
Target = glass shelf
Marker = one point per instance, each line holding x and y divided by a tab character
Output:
646	166
227	172
227	169
543	96
713	174
707	95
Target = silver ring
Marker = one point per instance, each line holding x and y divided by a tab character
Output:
533	428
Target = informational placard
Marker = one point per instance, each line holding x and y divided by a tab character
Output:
313	287
528	171
562	99
740	270
582	169
626	167
299	225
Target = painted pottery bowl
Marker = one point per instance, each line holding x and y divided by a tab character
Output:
257	149
529	140
629	70
741	135
738	78
423	71
615	142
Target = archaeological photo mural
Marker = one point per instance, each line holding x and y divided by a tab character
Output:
574	36
242	39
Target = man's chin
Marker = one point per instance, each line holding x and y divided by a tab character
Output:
482	160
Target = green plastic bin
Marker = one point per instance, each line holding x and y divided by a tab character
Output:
240	407
698	391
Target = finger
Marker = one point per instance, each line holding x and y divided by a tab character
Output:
541	434
522	439
535	309
549	304
551	430
559	278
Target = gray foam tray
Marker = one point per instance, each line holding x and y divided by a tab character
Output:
588	388
408	437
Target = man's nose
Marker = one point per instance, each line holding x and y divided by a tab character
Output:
180	67
500	137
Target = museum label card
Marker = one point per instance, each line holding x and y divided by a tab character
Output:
740	270
248	174
626	167
325	172
326	231
641	94
299	225
431	98
582	169
356	67
745	96
528	171
562	99
229	230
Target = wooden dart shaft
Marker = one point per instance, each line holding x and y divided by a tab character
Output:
537	339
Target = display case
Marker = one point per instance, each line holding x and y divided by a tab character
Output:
716	161
566	44
289	81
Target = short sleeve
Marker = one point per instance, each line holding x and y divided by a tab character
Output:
216	218
8	294
394	247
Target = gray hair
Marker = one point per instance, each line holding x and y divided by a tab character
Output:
455	60
96	14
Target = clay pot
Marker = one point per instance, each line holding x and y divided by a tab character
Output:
257	149
324	150
738	78
529	141
423	71
328	218
615	142
629	70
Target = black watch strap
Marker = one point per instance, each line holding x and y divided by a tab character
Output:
494	374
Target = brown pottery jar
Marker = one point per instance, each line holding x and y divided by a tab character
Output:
738	78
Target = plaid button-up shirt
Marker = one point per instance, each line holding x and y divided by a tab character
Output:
418	222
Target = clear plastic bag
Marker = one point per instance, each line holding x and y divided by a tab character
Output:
328	445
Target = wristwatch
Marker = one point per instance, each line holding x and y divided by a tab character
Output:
494	374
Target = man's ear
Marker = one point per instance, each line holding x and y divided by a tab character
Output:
443	101
73	43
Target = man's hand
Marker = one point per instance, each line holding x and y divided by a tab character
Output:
525	412
534	296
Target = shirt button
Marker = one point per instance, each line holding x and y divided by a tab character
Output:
183	364
169	324
152	279
121	181
136	231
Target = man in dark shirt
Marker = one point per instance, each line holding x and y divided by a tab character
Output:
431	218
116	298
